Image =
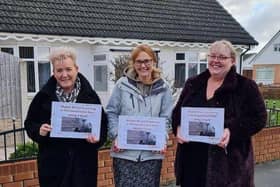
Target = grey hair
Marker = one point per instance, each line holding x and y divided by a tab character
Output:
61	53
227	44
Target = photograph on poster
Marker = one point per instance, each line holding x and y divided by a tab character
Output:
69	124
141	137
199	128
75	120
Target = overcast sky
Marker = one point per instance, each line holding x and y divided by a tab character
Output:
261	18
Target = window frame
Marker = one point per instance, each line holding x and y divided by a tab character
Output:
102	62
8	46
276	47
266	72
197	61
188	60
178	83
42	59
36	59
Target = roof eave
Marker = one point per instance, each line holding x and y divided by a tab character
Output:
106	41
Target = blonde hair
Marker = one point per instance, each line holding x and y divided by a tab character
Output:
225	43
61	53
147	49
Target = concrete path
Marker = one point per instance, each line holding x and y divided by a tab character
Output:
266	175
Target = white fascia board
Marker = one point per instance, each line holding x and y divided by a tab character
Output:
103	41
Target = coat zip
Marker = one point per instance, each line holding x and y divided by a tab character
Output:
132	100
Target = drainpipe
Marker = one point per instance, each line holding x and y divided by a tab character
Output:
241	59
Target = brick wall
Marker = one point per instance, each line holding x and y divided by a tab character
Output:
24	173
19	174
267	145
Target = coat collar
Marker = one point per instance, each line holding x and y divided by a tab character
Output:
130	85
50	87
229	84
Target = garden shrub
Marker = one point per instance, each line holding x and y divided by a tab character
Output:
29	149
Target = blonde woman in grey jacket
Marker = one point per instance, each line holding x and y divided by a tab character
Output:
141	92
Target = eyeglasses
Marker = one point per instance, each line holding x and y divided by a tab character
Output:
220	58
146	62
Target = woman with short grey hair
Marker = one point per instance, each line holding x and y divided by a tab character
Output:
64	162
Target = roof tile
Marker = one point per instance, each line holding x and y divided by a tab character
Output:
169	20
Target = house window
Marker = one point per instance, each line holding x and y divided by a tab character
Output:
192	56
27	54
100	77
44	68
202	61
277	47
180	75
7	50
180	56
100	73
195	62
265	75
38	66
99	57
44	72
30	76
192	69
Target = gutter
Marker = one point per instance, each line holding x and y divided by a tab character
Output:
241	59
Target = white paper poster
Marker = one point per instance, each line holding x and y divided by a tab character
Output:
75	120
202	124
